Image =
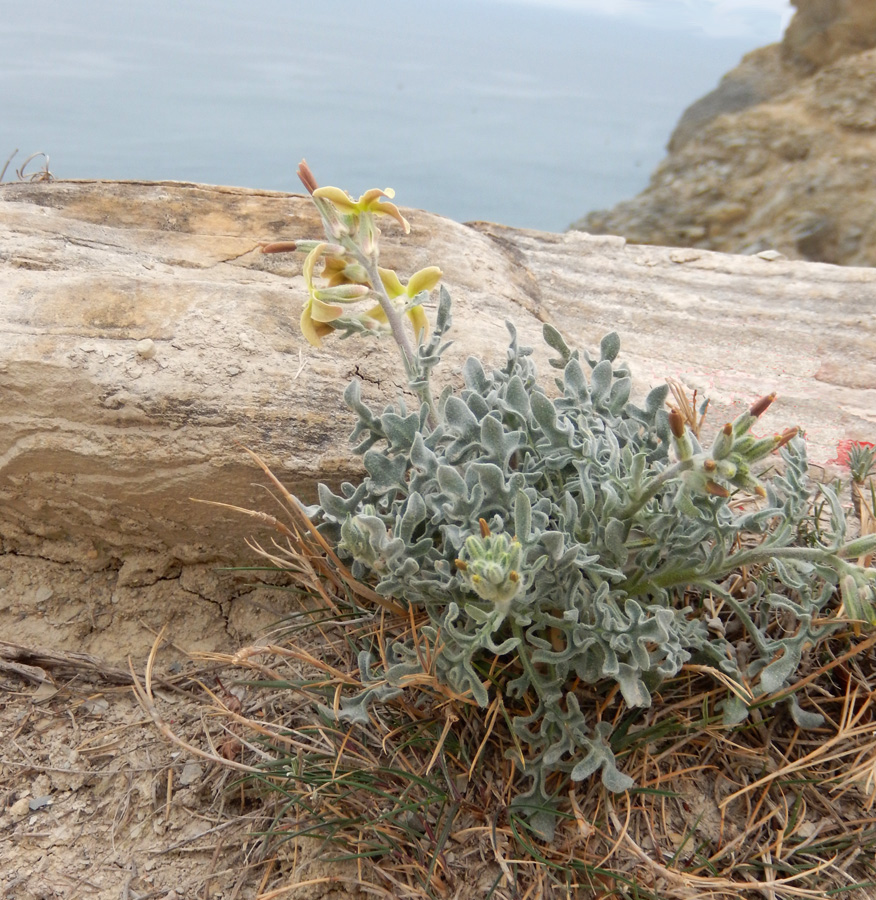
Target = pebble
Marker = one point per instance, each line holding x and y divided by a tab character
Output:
43	594
20	808
146	348
191	773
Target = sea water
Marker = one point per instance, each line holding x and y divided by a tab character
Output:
511	112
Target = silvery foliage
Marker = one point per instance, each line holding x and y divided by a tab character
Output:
604	589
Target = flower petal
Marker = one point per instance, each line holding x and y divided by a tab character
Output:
370	200
341	199
377	314
391	282
419	320
324	312
333	271
390	209
424	280
310	262
311	330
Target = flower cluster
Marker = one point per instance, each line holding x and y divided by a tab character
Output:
728	462
343	270
491	567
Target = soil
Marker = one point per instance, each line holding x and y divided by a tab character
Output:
96	802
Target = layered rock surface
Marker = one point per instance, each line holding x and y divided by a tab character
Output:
144	339
781	155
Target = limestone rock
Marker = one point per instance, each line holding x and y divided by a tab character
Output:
760	76
823	31
103	444
781	156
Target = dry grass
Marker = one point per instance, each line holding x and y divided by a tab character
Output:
692	416
41	174
418	802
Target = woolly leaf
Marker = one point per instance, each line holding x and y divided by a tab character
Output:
600	381
609	347
555	341
522	517
776	674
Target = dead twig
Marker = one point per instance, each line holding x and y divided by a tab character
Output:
30	661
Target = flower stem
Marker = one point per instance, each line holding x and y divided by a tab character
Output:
399	332
653	487
670	578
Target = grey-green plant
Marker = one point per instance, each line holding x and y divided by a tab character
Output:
561	537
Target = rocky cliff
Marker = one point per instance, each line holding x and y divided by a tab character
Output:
780	156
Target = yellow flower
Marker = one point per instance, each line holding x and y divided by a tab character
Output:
369	202
317	314
424	280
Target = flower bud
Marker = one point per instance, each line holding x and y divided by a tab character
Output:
681	441
723	443
759	407
286	246
715	489
356	273
760	448
753	450
787	436
743	422
861	546
306	177
368	234
857	604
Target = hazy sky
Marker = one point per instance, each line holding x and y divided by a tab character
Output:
727	18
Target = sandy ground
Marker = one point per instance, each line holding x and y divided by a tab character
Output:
96	803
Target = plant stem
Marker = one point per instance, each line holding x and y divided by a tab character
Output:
742	615
399	332
392	314
654	486
756	556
